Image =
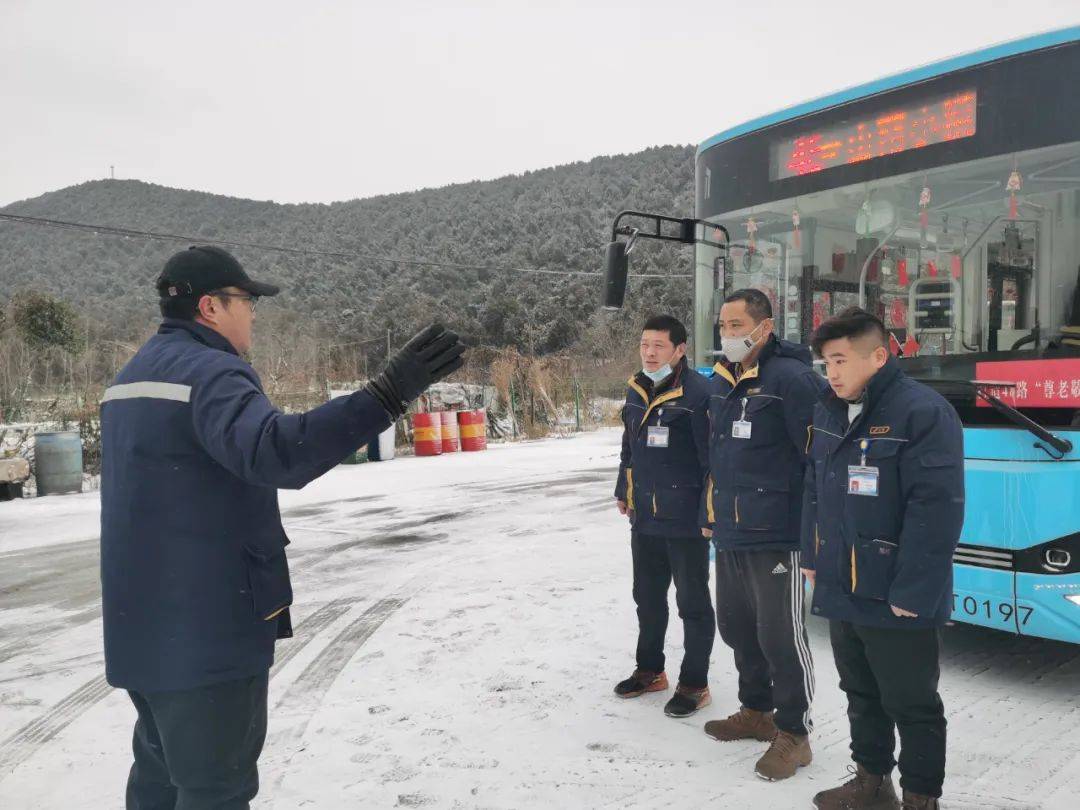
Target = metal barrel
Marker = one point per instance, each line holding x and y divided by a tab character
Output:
473	430
451	437
58	463
427	434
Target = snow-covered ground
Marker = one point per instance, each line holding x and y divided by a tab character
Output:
460	622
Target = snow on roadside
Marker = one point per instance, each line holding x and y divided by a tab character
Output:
460	624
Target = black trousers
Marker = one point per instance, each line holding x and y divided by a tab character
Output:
658	561
198	749
759	610
890	676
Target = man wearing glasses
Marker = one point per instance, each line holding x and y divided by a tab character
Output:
195	581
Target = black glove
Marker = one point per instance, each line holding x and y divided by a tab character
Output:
434	354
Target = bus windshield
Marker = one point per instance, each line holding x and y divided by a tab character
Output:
976	257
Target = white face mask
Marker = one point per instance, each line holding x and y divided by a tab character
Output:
660	374
736	349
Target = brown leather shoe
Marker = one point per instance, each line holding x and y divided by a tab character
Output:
785	756
916	801
640	682
864	791
745	724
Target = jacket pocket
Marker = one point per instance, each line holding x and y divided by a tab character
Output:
877	515
268	581
882	449
758	509
873	561
766	415
673	415
678	503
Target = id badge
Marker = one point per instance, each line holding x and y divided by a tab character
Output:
740	429
658	437
862	480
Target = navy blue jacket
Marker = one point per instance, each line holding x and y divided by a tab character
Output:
662	485
896	548
754	495
195	583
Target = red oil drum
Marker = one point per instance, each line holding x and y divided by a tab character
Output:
451	437
427	434
473	430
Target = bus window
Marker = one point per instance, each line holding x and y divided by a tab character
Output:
955	260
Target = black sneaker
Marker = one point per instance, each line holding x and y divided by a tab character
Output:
641	682
687	701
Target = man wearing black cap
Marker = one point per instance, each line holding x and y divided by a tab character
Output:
195	581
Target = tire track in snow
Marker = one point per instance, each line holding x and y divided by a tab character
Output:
311	627
304	696
306	692
34	735
24	742
37	733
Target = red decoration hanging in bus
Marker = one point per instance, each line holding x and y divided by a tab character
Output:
1016	182
957	266
931	268
894	345
820	308
911	346
901	271
796	233
751	229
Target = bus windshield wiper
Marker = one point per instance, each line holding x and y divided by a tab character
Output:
1063	446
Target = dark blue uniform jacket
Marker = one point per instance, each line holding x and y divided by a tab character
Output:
754	496
663	484
895	548
195	584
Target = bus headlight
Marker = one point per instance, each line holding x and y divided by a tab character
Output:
1074	598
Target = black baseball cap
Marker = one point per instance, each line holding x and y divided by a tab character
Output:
204	268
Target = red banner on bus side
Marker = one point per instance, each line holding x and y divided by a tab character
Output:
1037	383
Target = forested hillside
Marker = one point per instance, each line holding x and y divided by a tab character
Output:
552	219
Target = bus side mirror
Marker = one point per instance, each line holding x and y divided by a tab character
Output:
618	264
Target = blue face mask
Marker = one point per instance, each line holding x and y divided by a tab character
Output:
659	375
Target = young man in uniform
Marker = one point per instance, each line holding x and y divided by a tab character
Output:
884	504
762	402
661	473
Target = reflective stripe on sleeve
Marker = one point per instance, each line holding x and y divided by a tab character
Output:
148	390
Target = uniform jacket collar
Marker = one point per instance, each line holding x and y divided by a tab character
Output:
203	334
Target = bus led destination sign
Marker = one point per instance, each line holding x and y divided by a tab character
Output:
897	130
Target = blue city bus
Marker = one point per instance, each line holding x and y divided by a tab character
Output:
947	200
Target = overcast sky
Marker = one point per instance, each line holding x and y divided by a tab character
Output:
317	101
